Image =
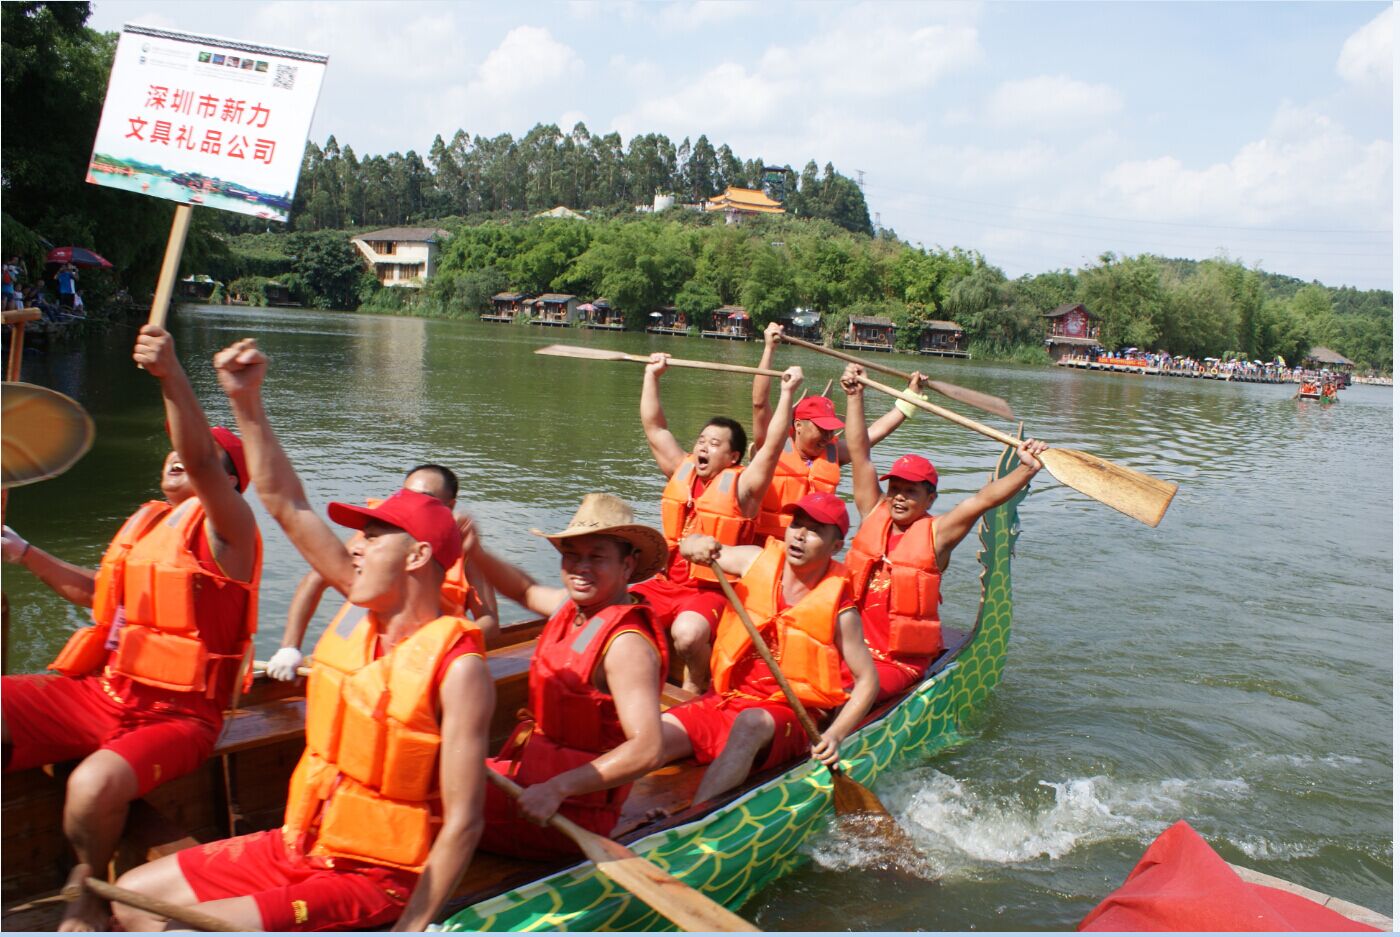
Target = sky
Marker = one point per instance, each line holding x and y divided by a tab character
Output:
1041	134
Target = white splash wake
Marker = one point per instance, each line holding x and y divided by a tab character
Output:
961	825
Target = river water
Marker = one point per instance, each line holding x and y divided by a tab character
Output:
1231	667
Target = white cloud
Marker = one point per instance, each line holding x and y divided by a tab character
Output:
1307	170
1050	102
1368	56
877	59
528	57
727	98
685	17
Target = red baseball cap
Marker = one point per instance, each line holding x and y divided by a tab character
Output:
820	410
231	444
913	468
822	507
421	516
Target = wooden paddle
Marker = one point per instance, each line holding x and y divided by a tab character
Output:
1134	493
673	899
973	398
81	878
850	796
603	354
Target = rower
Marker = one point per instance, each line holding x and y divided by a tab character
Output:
384	808
464	591
898	555
812	455
139	695
707	492
593	725
799	597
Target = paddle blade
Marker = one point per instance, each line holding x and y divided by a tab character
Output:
44	433
680	904
853	797
576	351
973	398
1137	495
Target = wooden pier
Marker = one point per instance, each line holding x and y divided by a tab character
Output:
727	336
867	346
1211	374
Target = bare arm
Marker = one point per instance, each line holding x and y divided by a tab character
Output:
755	479
510	580
228	518
865	483
886	424
762	384
632	669
851	637
467	697
305	600
704	549
241	368
954	526
70	582
664	448
482	602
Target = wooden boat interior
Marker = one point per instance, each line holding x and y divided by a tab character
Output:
243	785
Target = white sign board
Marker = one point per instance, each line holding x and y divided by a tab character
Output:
206	121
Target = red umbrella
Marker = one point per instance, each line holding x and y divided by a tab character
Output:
738	315
78	257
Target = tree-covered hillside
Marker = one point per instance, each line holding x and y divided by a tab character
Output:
820	255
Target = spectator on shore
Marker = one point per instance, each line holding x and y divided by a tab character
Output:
67	285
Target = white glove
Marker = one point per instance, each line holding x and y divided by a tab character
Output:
284	664
14	545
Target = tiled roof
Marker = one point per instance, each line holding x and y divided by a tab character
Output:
739	199
555	298
942	325
1327	356
1062	309
880	321
428	235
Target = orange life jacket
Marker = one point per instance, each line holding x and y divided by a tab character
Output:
716	512
792	479
457	593
151	573
805	632
366	787
914	580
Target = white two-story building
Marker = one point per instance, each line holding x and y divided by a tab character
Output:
401	256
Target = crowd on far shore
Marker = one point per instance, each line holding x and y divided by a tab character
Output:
23	291
1234	369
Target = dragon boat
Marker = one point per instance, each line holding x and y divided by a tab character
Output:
729	848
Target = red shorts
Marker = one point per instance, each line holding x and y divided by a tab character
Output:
668	599
54	718
708	718
291	892
894	679
508	833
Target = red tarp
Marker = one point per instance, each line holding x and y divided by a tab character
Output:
1182	885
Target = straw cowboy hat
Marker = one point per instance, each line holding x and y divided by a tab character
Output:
601	513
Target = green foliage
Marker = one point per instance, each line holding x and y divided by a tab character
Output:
1126	294
326	268
250	289
697	299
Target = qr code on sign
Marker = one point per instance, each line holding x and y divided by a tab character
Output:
284	77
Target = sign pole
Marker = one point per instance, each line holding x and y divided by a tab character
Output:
170	268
